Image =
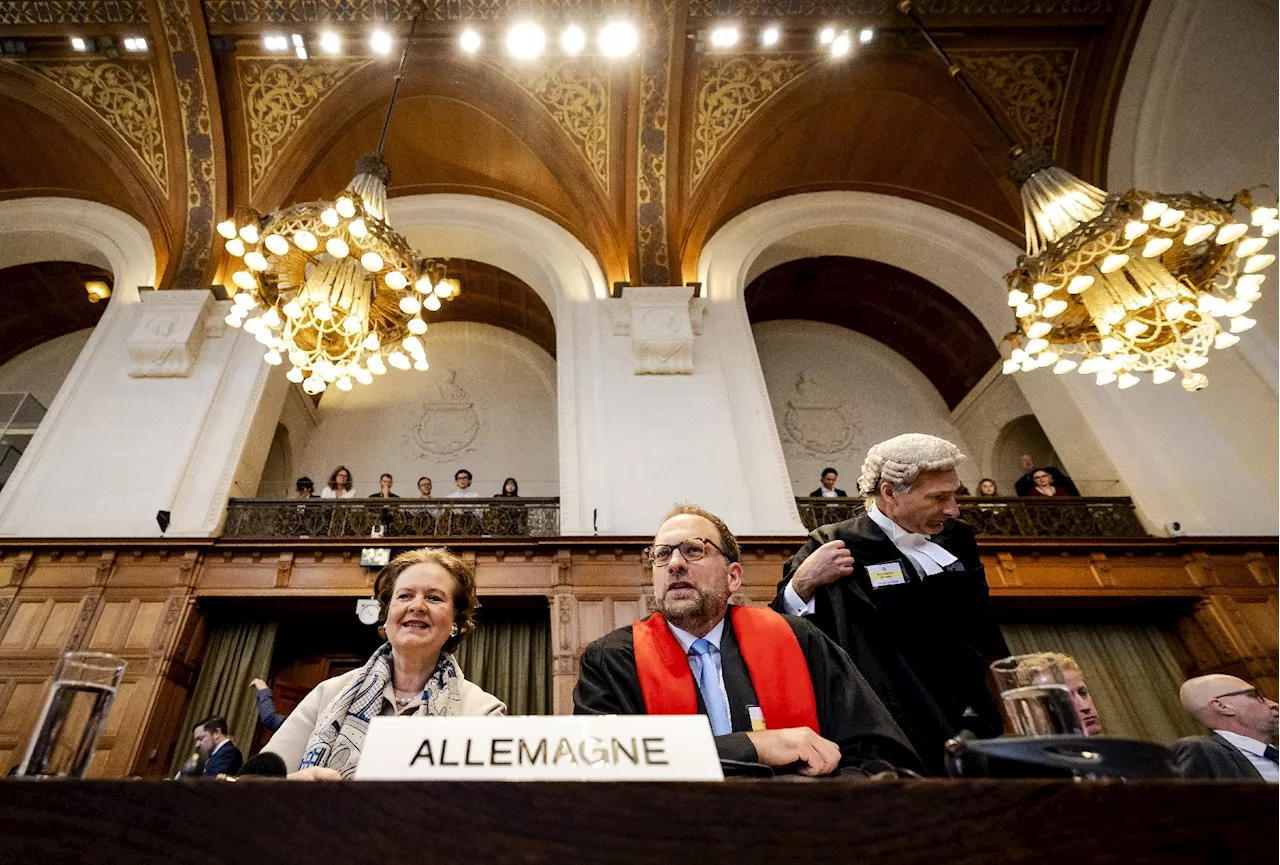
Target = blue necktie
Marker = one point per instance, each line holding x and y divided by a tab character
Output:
709	685
1271	754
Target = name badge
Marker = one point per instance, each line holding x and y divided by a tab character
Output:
888	574
550	748
757	718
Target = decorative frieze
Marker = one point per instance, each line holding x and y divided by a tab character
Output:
168	333
662	322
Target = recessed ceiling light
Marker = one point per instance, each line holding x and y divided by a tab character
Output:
827	35
573	39
724	37
380	42
526	40
618	39
330	42
79	44
865	35
841	44
469	41
770	36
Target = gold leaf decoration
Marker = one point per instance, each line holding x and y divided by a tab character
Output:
122	94
576	93
279	95
1030	87
730	91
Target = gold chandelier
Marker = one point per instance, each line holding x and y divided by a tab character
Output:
1117	285
330	286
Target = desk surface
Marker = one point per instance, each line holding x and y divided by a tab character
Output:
738	821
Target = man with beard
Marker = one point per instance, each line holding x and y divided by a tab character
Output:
775	689
1242	723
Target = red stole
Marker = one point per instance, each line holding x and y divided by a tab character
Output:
772	654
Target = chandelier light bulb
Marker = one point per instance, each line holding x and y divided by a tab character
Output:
417	326
1237	307
1256	263
1079	283
1092	365
1036	346
1010	367
1230	233
1197	234
235	246
358	229
1053	308
249	233
227	228
1041	290
345	206
1193	361
363	376
305	240
421	364
1259	215
380	42
256	260
395	280
725	36
371	342
232	320
376	366
294	375
423	285
1128	380
261	333
1134	229
276	244
323	311
1064	366
443	289
526	40
1156	247
1133	328
1162	374
244	301
412	344
1105	377
344	383
1251	283
1016	297
1110	345
352	324
1038	329
298	357
1153	210
293	309
573	39
432	302
1249	246
1113	262
273	357
1171	217
326	370
398	359
410	305
253	326
469	41
1177	309
371	262
1271	227
271	318
1024	309
244	279
769	36
1047	358
337	247
1225	340
1241	324
329	217
1195	382
618	39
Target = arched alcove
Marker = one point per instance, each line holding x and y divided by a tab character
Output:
1024	435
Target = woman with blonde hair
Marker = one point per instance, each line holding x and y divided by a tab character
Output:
428	604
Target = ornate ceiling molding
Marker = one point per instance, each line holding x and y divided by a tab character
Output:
17	12
1029	85
720	9
122	94
360	11
731	90
576	93
651	167
279	95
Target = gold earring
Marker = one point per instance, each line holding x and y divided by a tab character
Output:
454	632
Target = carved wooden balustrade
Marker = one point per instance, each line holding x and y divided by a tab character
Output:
398	518
1075	517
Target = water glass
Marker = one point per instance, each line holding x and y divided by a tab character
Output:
1035	695
74	716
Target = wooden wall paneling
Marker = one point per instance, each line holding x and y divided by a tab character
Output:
158	569
62	569
180	641
248	572
14	564
337	570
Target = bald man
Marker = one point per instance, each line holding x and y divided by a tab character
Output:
1242	723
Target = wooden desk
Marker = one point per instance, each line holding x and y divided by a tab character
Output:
933	822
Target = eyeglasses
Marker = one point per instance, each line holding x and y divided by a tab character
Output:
691	550
1251	693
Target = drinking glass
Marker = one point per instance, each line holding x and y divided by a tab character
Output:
1035	696
74	715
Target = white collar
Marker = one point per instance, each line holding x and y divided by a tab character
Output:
1244	743
929	557
218	746
686	639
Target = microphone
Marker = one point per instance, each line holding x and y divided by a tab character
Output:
264	765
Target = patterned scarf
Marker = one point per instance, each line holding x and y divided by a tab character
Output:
340	729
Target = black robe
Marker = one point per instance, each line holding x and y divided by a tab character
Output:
849	713
925	645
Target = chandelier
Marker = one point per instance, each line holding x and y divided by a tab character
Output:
1118	285
330	286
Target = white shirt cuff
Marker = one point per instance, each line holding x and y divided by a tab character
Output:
795	606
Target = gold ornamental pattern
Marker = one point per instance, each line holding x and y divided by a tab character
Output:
576	93
730	91
367	11
122	94
722	9
1030	86
279	95
17	12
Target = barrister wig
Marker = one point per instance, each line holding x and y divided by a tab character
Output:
901	459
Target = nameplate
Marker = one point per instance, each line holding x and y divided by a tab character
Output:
545	748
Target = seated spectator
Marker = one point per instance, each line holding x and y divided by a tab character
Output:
267	714
340	485
775	690
424	487
828	489
1044	485
509	488
220	755
1081	700
1024	484
1243	724
462	478
384	488
987	488
304	488
428	600
962	490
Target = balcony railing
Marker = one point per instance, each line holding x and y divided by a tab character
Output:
398	518
1075	517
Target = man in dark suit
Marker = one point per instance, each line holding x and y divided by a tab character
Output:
775	690
1242	723
221	756
903	591
1029	468
828	489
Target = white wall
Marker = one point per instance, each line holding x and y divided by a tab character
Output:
40	371
835	393
487	404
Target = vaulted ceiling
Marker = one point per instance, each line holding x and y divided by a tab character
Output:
40	302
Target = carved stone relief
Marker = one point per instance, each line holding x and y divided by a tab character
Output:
662	322
450	422
817	424
168	333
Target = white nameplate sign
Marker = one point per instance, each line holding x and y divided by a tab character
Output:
540	748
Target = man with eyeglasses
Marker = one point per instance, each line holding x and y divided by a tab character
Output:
775	690
1242	723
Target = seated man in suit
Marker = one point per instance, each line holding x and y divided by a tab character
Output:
903	591
1242	723
221	757
828	489
775	690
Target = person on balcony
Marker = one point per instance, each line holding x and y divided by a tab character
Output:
340	485
462	479
428	604
304	488
384	488
1024	484
424	487
828	489
987	489
510	489
774	689
1044	485
901	588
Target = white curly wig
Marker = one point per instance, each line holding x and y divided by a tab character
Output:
901	459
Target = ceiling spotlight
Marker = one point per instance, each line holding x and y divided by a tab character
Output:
330	42
826	35
78	44
865	35
299	47
724	37
469	41
135	44
770	36
840	45
618	39
380	42
573	39
275	43
525	40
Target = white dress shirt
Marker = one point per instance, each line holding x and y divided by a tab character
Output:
331	493
463	494
929	558
686	640
1252	750
828	494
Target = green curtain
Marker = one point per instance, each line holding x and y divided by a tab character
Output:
237	652
1131	674
510	657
